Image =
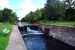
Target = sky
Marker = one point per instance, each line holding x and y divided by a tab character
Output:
22	7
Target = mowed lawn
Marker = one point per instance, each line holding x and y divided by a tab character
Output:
4	39
61	23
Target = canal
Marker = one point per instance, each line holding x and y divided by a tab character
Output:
35	40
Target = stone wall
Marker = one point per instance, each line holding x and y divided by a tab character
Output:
65	34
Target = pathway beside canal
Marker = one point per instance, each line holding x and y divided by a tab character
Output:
16	42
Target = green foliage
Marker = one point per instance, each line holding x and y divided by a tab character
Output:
7	15
0	15
59	10
13	17
33	16
69	10
54	10
69	4
4	39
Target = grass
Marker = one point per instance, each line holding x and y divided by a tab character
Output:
61	23
4	39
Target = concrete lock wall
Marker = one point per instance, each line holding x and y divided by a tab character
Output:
65	34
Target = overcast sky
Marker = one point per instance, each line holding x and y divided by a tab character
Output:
22	7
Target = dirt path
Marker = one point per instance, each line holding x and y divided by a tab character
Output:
16	42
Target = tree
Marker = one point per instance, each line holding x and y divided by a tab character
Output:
37	14
53	9
69	4
0	15
6	14
60	10
29	17
50	9
13	17
33	16
69	9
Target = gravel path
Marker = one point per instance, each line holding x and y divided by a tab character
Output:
16	42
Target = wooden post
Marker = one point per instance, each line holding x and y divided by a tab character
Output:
46	32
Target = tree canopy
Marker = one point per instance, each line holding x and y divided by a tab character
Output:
7	15
33	16
54	10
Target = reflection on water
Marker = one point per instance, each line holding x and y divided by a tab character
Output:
35	43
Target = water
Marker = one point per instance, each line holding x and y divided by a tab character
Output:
30	31
36	41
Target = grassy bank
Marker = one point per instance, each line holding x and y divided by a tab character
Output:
4	39
60	23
